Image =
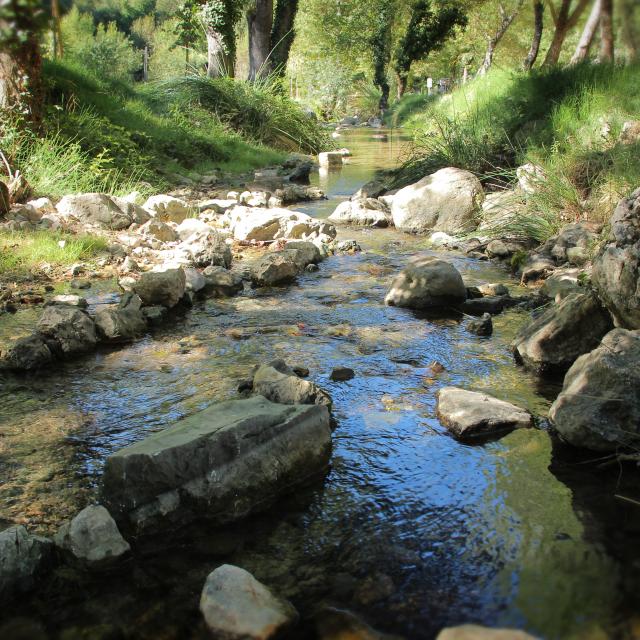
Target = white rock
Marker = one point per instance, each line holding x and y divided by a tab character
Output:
330	159
167	208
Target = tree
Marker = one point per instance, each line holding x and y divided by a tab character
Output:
427	31
186	29
586	39
380	43
564	20
505	22
259	22
606	31
21	89
538	25
282	34
220	18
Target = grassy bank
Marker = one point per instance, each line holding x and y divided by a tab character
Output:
24	253
104	135
566	120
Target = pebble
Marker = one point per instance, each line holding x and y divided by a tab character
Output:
342	374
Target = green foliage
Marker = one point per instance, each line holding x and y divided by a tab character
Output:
221	17
258	111
21	252
108	52
380	44
427	31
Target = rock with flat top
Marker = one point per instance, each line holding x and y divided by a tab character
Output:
235	606
470	414
222	463
167	208
69	330
476	632
222	283
118	325
280	384
164	288
97	209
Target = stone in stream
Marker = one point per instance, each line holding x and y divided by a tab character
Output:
222	283
616	269
278	383
206	247
470	414
164	288
118	325
69	330
69	300
448	200
303	253
427	283
93	538
222	463
330	159
551	343
235	606
342	374
22	558
167	208
476	632
362	212
96	209
486	304
493	289
26	354
599	405
159	230
274	269
481	326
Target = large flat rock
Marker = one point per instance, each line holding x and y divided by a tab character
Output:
221	463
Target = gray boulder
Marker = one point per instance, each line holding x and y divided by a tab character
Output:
481	326
22	558
427	283
599	405
195	281
95	208
274	269
562	282
365	212
221	463
616	270
159	230
448	200
279	384
117	325
254	223
222	283
579	235
303	253
164	288
551	343
93	538
26	354
137	214
469	414
236	606
68	330
207	247
167	208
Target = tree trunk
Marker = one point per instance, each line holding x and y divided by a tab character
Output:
58	49
606	31
282	34
21	85
505	23
402	84
589	31
538	24
260	21
219	63
564	22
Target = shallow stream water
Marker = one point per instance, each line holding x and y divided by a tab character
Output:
410	529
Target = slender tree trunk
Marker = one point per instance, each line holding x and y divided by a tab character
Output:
58	50
260	21
282	34
402	84
538	25
589	31
606	31
219	62
627	31
21	85
505	23
564	22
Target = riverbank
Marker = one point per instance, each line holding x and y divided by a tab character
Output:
412	529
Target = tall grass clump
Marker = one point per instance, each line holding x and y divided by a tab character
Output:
567	121
258	111
24	252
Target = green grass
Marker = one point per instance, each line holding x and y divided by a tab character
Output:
23	252
553	118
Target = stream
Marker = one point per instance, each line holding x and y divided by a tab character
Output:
411	529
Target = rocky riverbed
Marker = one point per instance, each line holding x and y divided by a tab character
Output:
412	529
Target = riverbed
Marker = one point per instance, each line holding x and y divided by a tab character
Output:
411	529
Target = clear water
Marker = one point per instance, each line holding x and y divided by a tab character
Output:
411	529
